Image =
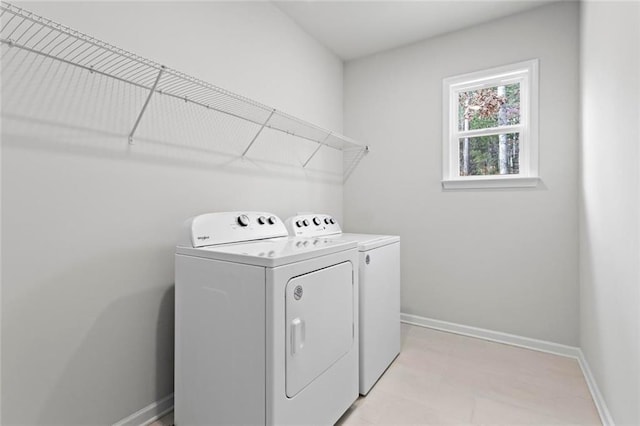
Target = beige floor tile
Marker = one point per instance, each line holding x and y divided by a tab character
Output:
490	412
426	338
405	412
351	417
453	402
576	410
425	362
408	382
445	378
372	407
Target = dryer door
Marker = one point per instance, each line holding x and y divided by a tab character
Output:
319	323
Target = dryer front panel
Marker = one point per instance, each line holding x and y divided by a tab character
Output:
319	323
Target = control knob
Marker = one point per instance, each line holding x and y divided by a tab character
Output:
299	223
317	221
326	220
243	220
272	220
305	222
262	220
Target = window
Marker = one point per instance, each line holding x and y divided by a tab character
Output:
490	135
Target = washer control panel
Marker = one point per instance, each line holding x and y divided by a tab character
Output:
231	227
312	225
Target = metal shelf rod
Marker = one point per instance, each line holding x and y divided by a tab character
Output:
258	133
35	34
146	103
316	151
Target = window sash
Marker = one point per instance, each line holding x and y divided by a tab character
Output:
488	131
523	157
494	81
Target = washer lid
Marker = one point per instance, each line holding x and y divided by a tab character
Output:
270	252
368	241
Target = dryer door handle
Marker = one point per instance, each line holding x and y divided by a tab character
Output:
297	335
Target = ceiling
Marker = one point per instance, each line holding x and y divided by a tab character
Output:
354	28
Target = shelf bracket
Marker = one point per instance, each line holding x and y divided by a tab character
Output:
146	103
259	131
317	149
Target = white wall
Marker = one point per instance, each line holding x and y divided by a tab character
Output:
503	260
609	203
89	223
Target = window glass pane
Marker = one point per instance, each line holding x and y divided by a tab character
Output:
490	155
489	107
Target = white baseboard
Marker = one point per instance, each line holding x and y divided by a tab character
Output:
148	414
494	336
603	410
523	342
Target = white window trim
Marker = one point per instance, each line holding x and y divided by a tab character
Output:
526	73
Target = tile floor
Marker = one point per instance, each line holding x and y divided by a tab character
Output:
444	378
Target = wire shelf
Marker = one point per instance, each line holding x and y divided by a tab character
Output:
29	32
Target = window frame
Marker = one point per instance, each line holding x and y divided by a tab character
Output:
525	73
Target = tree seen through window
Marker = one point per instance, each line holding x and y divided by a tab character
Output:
493	107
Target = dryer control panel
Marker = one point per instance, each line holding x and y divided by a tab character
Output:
312	225
231	227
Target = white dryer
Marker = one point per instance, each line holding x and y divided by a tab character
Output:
266	325
379	284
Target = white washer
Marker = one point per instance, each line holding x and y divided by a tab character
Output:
379	284
266	325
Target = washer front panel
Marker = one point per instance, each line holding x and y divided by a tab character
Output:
379	312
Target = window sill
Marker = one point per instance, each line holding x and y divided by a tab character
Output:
491	182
